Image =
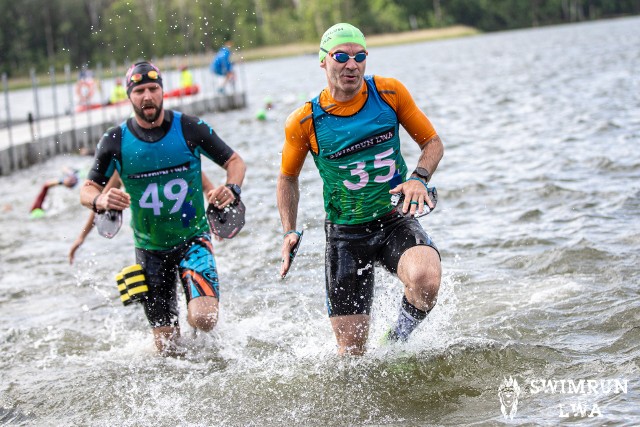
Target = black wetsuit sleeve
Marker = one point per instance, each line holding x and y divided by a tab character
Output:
108	156
199	134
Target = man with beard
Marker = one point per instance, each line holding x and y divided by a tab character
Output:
156	154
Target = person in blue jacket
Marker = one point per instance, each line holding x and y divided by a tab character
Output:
222	67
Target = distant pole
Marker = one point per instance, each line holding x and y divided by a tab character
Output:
202	77
207	81
100	75
114	72
5	85
177	64
72	109
243	90
34	84
30	121
87	115
54	98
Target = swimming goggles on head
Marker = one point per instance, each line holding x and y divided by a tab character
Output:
137	77
343	57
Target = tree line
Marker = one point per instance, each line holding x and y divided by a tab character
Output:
43	33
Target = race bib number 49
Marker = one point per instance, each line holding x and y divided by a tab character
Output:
174	191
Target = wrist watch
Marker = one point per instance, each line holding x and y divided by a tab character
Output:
235	189
422	173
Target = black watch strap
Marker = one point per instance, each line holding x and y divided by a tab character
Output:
94	207
422	173
235	188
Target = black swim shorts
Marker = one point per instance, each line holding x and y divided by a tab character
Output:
193	262
353	250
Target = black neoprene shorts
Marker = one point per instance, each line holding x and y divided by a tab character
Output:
353	250
192	263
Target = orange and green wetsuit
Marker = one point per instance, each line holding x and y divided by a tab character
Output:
356	146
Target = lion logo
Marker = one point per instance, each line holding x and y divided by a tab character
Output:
508	393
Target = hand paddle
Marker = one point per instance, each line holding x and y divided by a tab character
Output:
226	222
108	223
398	199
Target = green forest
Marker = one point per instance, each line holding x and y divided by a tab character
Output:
44	33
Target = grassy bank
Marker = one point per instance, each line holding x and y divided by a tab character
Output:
293	49
270	52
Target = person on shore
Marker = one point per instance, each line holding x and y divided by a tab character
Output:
118	93
222	67
157	154
186	77
69	180
351	129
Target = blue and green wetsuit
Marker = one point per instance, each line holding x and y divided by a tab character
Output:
161	171
163	176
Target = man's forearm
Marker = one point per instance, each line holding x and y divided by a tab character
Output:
235	168
432	152
88	193
288	196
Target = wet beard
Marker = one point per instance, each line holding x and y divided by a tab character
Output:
139	111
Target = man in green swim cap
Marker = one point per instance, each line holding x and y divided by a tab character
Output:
339	34
352	131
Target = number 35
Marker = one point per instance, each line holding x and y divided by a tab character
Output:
379	162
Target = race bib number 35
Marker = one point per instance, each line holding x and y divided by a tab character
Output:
380	162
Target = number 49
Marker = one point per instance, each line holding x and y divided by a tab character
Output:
151	197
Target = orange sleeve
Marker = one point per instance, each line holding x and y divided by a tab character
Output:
299	137
416	123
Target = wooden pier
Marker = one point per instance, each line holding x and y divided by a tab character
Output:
32	141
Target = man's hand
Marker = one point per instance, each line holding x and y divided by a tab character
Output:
415	196
221	197
72	252
114	199
290	240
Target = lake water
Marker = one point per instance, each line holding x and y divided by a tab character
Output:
538	223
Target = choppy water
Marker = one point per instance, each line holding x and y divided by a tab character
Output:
538	223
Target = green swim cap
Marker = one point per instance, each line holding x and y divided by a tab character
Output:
37	213
261	114
339	34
